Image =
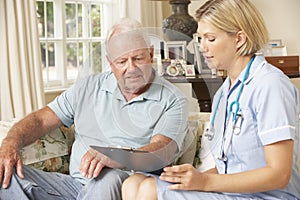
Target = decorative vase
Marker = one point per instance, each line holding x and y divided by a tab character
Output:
180	26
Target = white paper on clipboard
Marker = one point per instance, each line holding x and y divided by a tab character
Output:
132	159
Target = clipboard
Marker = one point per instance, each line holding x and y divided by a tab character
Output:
132	159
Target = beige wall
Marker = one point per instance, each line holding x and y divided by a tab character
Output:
281	17
50	96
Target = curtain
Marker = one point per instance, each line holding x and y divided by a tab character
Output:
21	83
148	12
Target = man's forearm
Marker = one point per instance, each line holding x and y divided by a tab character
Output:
163	147
32	127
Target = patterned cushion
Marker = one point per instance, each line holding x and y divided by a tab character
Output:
50	153
193	141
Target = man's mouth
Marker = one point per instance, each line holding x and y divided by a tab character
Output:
133	77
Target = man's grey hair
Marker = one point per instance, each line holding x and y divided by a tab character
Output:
130	26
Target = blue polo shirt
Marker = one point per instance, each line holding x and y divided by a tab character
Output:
103	117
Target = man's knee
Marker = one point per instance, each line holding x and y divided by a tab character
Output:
106	186
110	174
14	189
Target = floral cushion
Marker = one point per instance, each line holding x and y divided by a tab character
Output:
58	163
198	153
50	153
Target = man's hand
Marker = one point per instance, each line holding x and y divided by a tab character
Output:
23	133
93	162
10	157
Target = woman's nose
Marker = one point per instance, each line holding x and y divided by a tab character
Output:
202	47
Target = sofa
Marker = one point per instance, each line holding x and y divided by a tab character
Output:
51	152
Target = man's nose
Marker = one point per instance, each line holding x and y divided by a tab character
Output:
131	64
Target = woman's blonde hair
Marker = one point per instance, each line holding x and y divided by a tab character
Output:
232	16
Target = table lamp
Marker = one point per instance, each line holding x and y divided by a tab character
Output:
179	26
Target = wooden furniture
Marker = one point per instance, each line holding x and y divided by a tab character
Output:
288	64
204	88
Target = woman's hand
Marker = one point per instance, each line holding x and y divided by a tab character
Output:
185	177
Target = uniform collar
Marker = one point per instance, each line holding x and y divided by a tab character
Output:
257	64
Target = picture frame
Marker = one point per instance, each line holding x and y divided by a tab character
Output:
279	51
175	50
196	37
199	60
157	64
189	70
275	43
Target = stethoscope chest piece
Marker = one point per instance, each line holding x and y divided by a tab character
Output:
236	130
209	132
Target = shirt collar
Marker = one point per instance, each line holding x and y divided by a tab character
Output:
257	64
110	83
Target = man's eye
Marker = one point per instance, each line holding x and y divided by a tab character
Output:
139	59
121	62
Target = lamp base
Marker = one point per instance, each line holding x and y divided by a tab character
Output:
180	26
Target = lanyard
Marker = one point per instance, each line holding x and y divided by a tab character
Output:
236	101
234	117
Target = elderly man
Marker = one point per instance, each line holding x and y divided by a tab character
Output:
128	106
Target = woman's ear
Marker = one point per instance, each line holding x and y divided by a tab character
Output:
241	38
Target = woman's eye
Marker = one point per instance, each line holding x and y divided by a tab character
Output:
211	39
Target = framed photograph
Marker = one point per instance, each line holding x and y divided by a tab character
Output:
157	64
200	61
279	51
175	50
189	70
275	43
196	37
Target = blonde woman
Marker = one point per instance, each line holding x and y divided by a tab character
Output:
254	125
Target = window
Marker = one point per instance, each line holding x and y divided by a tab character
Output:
71	39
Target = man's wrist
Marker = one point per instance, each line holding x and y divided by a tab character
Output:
13	141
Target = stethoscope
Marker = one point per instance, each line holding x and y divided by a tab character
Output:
236	118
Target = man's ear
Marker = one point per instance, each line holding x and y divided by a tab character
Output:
151	49
107	58
241	38
110	63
